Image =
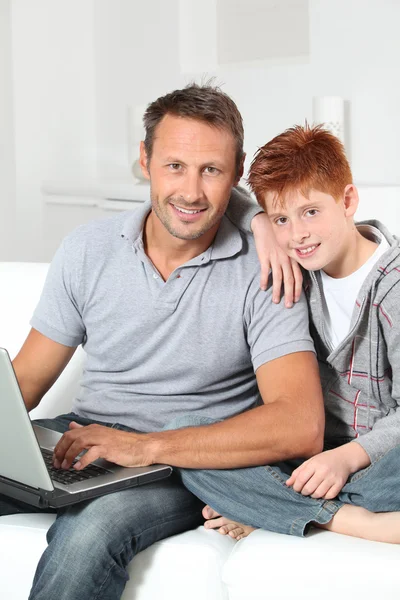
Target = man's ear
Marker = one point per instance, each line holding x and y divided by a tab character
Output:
240	170
143	161
350	200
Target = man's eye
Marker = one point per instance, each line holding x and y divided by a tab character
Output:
211	170
174	166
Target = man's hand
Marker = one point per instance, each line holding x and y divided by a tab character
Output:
324	475
121	447
271	256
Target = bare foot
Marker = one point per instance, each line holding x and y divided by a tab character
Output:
209	513
359	522
225	526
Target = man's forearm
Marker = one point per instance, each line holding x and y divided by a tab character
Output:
260	436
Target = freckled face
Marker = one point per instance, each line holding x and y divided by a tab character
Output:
192	171
312	230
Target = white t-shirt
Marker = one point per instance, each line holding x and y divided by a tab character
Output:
340	294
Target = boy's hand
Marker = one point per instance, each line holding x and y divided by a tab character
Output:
271	256
324	475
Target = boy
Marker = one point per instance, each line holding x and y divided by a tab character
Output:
303	181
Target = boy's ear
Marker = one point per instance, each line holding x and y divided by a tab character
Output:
350	200
143	161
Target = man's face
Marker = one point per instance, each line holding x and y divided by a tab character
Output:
312	230
192	172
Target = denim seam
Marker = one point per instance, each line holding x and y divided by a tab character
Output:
325	514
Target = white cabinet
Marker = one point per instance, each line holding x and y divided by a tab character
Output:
66	206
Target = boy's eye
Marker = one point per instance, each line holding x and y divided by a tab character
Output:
312	212
281	221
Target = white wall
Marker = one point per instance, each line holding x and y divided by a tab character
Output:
54	105
79	64
137	60
354	53
7	161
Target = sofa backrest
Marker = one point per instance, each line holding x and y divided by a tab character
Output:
20	288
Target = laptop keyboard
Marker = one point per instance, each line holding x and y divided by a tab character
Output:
68	476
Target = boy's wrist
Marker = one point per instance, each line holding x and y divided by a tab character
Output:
258	220
355	456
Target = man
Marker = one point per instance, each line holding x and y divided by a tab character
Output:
167	304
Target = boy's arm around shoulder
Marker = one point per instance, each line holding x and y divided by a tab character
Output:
249	217
242	209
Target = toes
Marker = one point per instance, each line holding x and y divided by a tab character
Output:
209	513
236	532
215	523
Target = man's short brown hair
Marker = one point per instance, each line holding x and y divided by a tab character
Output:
206	103
300	158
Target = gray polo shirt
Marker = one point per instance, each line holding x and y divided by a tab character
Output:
157	350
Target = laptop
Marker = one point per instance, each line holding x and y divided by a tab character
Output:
26	449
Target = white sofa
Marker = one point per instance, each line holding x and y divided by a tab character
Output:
199	564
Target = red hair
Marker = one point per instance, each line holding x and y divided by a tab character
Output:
300	158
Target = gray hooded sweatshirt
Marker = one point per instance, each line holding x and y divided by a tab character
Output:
361	377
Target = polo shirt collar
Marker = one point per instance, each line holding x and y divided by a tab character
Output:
134	223
227	242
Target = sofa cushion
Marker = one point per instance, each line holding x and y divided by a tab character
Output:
322	565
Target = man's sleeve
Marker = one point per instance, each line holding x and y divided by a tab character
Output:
58	315
274	330
242	208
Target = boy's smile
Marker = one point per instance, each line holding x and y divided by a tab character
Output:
306	251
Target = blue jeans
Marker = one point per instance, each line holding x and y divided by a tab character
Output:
258	496
91	543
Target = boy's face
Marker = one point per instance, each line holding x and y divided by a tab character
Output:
313	230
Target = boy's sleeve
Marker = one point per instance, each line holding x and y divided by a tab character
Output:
385	433
242	208
58	315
